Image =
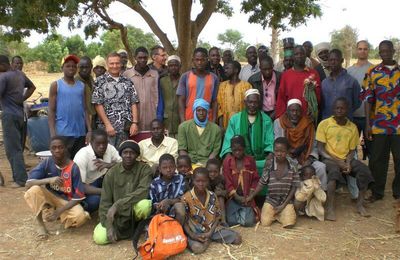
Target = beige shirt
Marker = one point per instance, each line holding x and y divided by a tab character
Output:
85	157
147	90
150	154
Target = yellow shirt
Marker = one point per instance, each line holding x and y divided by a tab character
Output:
339	140
150	154
231	99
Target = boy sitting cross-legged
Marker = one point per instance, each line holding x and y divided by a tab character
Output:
56	184
282	177
203	219
167	189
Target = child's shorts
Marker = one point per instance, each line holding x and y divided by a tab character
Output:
287	217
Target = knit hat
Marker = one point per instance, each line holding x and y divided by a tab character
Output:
174	57
252	91
129	144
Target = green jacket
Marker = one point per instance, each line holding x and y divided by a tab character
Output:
198	146
124	188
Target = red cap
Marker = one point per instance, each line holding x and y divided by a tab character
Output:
71	57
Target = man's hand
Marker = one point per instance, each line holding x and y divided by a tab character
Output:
278	209
240	199
163	206
368	132
56	181
111	213
111	235
200	237
100	164
110	130
347	169
88	137
134	129
53	217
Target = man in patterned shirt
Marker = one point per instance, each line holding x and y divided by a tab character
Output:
116	101
381	91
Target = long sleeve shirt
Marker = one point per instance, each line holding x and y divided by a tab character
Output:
344	85
124	188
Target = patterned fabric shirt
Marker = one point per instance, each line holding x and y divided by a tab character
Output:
161	190
117	98
381	88
201	217
279	188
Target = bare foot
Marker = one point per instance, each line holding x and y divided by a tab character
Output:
363	212
330	214
1	179
42	233
15	185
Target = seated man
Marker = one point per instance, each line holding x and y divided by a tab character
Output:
203	221
254	126
300	132
199	138
167	189
337	140
94	160
123	196
62	192
158	144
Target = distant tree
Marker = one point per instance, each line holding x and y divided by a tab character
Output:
230	37
93	49
345	40
204	44
396	45
136	37
75	45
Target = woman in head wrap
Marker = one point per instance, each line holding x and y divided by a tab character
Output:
322	52
199	138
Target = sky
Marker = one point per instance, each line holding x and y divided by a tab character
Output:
374	22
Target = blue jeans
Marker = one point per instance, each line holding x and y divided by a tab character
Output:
13	126
92	201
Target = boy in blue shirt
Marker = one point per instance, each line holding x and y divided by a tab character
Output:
56	184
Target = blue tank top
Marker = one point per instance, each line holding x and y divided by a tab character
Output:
70	111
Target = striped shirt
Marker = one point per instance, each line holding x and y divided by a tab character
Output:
193	87
279	188
161	190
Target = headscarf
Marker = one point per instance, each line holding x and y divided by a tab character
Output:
129	144
301	137
203	104
99	61
322	46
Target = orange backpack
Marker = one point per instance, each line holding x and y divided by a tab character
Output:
166	238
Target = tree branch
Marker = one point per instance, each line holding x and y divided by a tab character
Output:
152	24
100	11
175	4
202	18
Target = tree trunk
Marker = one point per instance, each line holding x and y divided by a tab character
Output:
275	44
184	32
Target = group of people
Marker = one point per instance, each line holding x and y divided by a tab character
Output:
214	147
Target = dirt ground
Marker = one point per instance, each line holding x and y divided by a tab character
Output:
350	237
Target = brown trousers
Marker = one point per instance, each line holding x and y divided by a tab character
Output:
40	199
